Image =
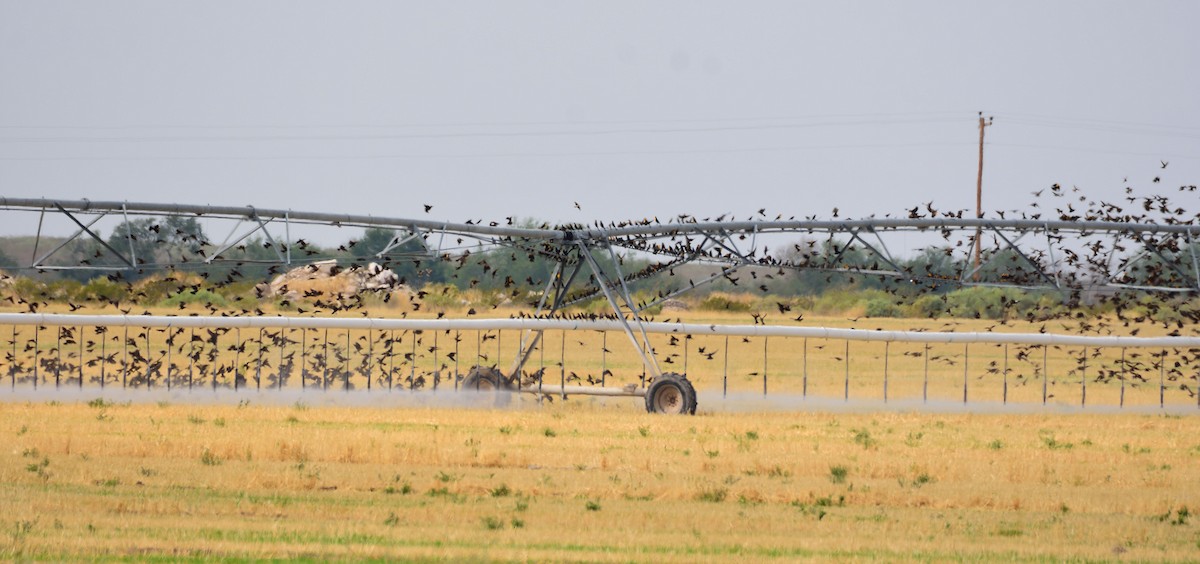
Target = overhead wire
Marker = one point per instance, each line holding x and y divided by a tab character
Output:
712	125
1067	121
1104	128
456	135
388	156
1093	150
910	115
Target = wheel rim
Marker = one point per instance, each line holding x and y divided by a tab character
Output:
485	385
668	399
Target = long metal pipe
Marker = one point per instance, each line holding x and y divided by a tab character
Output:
565	390
251	212
60	320
644	228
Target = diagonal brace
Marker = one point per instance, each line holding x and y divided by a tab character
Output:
93	235
647	361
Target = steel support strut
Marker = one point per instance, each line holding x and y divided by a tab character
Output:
646	353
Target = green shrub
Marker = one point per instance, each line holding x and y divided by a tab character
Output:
930	306
977	302
1048	305
722	302
500	491
102	289
62	290
836	301
714	495
878	307
28	289
240	291
208	458
838	473
153	290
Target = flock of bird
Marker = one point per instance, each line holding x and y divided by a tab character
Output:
413	360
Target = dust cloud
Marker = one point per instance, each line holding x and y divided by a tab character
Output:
709	402
397	398
749	402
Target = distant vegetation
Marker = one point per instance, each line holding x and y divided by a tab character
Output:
177	276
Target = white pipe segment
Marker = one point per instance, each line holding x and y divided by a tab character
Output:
251	212
551	389
68	320
647	229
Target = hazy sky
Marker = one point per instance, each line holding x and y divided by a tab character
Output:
632	109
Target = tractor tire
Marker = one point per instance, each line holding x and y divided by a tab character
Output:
672	394
488	380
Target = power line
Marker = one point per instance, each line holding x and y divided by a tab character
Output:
1106	129
492	155
1101	125
778	149
860	116
455	135
1093	150
1093	121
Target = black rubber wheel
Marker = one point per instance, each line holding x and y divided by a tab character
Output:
671	393
488	379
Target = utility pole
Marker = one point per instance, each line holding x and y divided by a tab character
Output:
979	195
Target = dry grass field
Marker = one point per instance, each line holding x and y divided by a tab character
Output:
303	474
583	480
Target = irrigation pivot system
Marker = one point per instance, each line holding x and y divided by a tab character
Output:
1093	256
339	353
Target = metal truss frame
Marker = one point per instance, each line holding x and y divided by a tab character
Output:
601	248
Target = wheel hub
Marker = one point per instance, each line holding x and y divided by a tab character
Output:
668	400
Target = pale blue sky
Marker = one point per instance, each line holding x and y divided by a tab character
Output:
631	109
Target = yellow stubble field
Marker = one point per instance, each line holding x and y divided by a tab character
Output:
191	476
587	480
